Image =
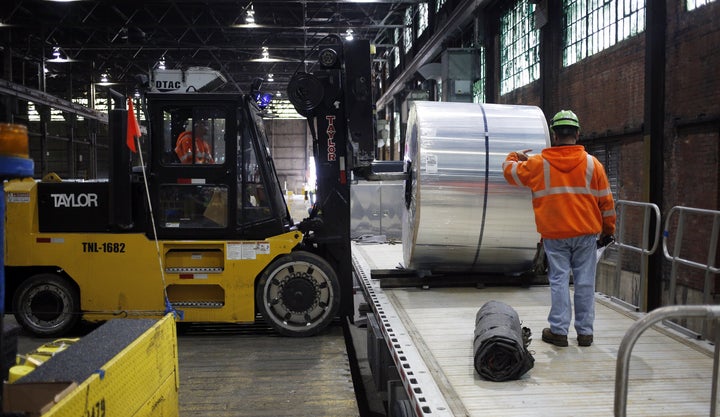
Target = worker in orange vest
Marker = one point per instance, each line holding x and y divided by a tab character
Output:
184	146
573	206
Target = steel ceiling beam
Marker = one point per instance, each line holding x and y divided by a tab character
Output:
461	16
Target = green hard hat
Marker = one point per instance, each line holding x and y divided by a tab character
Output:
565	118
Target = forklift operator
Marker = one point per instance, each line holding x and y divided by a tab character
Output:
203	151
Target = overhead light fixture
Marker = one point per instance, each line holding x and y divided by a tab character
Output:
349	35
278	94
270	78
161	64
265	56
105	79
57	56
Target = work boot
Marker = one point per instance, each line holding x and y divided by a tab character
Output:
554	339
585	339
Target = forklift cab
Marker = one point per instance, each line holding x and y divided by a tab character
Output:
212	176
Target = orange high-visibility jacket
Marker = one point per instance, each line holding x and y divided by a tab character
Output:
183	149
570	191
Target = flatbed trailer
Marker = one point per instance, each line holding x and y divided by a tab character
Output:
420	346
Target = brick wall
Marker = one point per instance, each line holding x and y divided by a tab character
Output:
692	132
692	106
693	60
607	91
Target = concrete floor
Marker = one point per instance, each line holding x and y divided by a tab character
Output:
297	205
248	370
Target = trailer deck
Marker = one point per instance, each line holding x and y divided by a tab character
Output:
430	332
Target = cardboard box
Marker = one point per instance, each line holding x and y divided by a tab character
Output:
34	398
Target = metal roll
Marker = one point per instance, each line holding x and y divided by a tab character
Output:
460	213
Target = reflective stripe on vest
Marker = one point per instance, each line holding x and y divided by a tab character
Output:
549	190
513	171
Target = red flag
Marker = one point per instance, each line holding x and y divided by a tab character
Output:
133	128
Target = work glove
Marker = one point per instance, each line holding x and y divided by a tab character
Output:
522	155
605	240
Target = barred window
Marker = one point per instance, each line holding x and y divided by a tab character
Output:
694	4
396	49
422	18
609	155
397	135
478	88
408	32
594	25
519	47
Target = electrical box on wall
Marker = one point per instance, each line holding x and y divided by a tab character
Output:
462	87
460	67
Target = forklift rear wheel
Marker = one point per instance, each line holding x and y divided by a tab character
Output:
298	294
47	305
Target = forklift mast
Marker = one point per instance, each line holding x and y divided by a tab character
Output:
337	102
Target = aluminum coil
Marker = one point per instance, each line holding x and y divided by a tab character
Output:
460	213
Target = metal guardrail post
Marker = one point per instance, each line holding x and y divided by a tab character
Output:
716	374
676	260
675	257
712	250
626	345
644	250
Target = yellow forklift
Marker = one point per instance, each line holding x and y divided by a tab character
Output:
206	236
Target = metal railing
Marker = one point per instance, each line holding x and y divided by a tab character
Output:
644	250
675	258
709	312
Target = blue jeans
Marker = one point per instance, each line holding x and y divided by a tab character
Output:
579	255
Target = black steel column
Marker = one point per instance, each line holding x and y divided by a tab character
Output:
654	129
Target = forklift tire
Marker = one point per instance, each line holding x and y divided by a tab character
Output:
47	305
298	294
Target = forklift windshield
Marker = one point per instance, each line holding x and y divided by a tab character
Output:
197	138
212	174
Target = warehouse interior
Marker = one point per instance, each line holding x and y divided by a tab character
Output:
641	75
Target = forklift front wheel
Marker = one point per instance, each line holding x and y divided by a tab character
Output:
47	305
298	294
